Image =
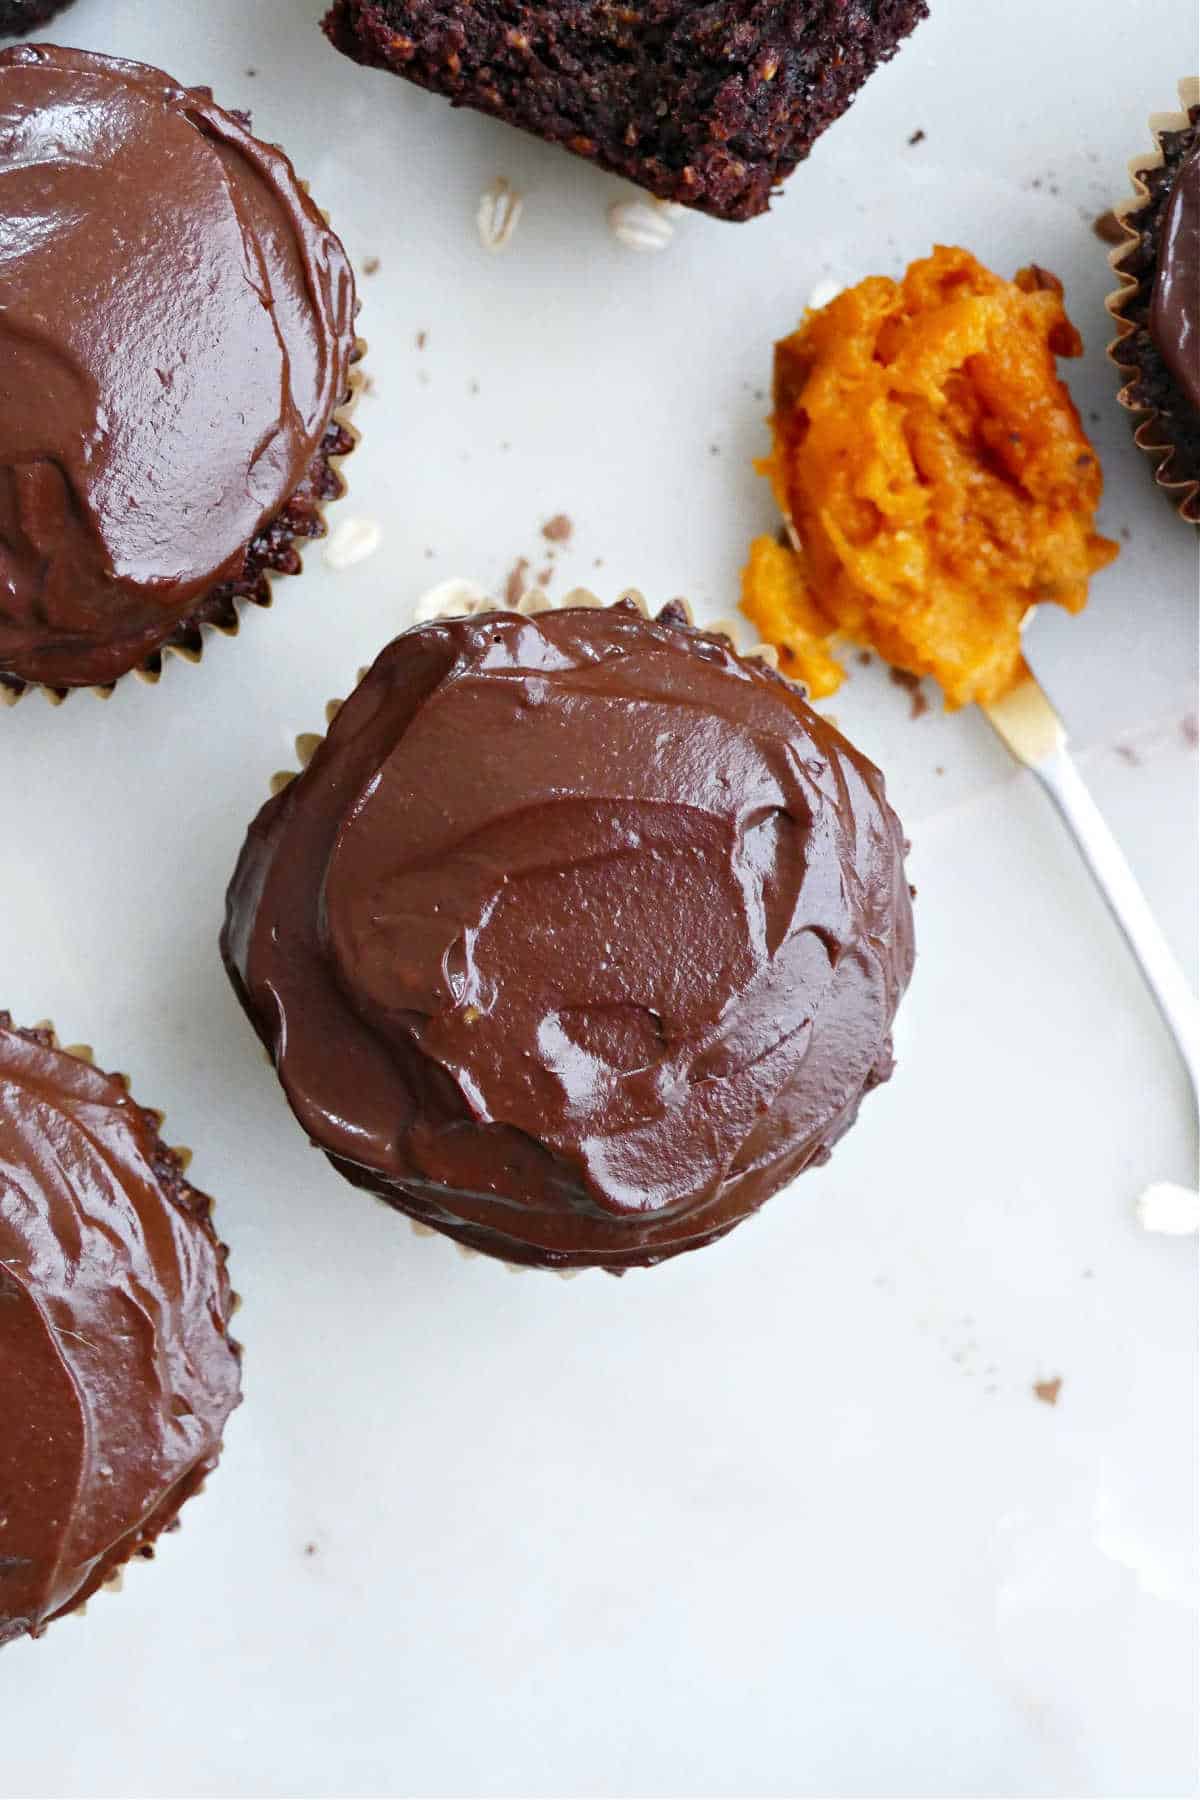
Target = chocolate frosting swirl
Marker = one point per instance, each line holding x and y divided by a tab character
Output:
1175	303
116	1373
176	329
579	936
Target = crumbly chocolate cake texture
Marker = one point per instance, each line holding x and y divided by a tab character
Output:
17	17
710	105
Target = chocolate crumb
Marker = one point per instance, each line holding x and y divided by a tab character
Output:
1128	754
782	538
252	72
714	449
546	575
1126	534
904	678
1048	1391
370	265
310	1549
558	529
517	581
472	387
938	769
918	136
599	563
422	339
1108	228
864	657
1190	728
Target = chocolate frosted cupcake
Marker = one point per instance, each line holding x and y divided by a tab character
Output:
175	341
1157	308
17	17
117	1372
579	936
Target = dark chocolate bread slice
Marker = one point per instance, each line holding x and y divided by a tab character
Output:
708	104
20	16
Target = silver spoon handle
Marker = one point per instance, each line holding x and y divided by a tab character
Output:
1127	903
1034	733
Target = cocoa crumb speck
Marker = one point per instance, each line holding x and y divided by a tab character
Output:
1190	729
558	529
1129	755
310	1549
917	137
517	581
1048	1391
1108	228
546	575
472	387
904	678
370	265
864	657
1126	534
422	339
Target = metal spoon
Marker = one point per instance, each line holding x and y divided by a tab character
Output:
1035	735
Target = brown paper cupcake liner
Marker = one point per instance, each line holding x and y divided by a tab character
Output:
143	1550
457	599
1149	433
188	639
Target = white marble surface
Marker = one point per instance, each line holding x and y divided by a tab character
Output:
784	1517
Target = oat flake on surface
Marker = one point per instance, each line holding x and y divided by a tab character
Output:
352	542
499	214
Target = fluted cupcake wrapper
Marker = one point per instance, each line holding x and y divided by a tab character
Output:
458	599
1148	435
194	633
142	1550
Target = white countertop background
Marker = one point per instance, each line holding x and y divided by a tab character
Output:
785	1516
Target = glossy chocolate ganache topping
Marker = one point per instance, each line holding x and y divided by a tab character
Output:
176	325
1175	303
116	1371
578	937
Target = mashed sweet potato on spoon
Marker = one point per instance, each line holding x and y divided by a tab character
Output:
936	476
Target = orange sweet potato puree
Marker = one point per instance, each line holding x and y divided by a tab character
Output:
936	476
